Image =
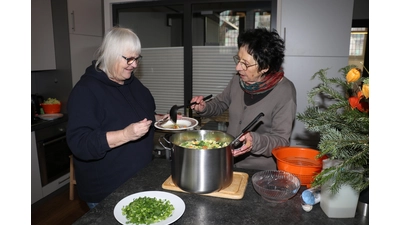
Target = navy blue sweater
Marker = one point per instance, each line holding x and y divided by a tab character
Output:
97	105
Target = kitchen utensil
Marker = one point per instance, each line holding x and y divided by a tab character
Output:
37	100
173	112
236	144
162	121
299	161
275	185
201	170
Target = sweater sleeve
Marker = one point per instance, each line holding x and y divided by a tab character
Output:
219	104
84	135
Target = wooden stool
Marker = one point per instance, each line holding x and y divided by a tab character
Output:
72	180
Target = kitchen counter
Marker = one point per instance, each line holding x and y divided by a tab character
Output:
40	124
201	209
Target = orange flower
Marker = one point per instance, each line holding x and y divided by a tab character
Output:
353	75
363	106
356	102
365	90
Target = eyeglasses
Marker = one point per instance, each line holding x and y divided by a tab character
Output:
242	64
130	60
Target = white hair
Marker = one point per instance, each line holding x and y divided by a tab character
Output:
116	42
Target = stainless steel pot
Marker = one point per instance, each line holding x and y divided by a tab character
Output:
201	170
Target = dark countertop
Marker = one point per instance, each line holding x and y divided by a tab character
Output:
200	209
40	124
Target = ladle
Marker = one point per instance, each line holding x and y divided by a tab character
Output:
173	112
236	143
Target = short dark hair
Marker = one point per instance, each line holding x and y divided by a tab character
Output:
266	47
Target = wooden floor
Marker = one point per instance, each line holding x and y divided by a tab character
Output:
58	209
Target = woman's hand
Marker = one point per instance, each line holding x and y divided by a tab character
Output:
247	140
201	104
132	132
137	130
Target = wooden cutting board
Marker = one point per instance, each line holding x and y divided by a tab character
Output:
233	191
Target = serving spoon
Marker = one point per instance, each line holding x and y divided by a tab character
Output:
236	143
173	112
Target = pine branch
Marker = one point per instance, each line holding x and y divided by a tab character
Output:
344	132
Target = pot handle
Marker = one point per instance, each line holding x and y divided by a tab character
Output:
161	143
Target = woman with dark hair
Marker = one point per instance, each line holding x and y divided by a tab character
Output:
110	112
260	86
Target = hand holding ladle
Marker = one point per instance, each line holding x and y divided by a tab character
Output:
173	112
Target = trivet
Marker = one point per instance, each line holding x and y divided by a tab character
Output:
233	191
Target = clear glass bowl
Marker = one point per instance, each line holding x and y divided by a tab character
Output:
275	185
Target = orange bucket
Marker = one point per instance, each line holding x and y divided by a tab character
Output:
301	162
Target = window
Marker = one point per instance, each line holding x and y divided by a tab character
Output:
172	70
358	39
358	46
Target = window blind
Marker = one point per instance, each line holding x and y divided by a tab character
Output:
161	71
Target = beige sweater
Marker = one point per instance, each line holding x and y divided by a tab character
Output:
272	130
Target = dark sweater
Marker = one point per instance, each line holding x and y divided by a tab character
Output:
97	105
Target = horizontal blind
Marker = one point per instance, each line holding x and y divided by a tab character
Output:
213	68
161	71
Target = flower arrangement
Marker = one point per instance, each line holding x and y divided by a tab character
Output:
342	122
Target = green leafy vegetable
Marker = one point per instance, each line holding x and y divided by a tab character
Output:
147	210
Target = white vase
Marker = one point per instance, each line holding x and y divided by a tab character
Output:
343	204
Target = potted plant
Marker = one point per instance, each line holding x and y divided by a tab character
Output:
339	113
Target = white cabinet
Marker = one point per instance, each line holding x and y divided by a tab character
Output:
85	17
317	36
36	184
82	53
85	34
42	37
317	27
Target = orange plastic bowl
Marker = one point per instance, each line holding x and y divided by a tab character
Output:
51	108
301	162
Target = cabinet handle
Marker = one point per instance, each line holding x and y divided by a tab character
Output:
60	182
73	21
284	34
55	140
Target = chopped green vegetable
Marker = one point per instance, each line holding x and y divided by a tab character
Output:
147	210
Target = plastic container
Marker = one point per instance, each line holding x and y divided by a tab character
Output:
301	162
51	108
311	196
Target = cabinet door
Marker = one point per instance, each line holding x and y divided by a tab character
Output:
42	38
316	27
83	49
300	70
85	17
36	184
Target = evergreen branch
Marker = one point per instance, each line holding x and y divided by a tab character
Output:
344	132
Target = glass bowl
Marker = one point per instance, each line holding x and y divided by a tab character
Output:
275	185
